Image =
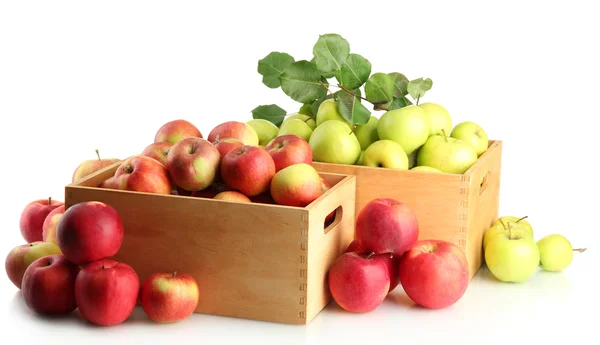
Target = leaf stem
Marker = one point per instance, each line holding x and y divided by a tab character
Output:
581	250
326	87
352	93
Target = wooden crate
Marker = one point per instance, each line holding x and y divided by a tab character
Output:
254	261
452	207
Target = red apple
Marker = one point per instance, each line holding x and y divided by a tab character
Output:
49	226
296	185
33	216
193	163
20	257
248	169
226	145
49	285
434	274
143	174
158	150
385	225
236	130
358	283
232	196
392	262
90	166
174	131
106	292
289	149
354	246
109	183
89	231
169	297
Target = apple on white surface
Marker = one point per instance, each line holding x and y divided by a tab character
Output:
512	257
33	216
522	221
439	118
266	130
296	185
334	142
367	133
174	131
20	257
385	154
556	252
90	166
49	226
295	127
392	262
503	229
434	273
408	126
328	110
289	149
193	163
248	169
169	297
236	130
158	150
472	134
143	174
447	154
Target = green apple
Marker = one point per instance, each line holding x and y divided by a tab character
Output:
334	142
501	229
512	257
447	154
412	158
556	252
309	120
328	110
360	158
266	130
408	126
473	134
385	154
297	127
514	220
367	133
425	168
439	118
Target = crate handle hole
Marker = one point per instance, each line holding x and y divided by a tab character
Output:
484	182
333	219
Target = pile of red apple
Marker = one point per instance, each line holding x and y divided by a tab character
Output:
386	252
73	270
229	165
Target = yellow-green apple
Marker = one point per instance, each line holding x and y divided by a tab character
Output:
143	174
232	195
226	145
503	229
472	134
33	216
174	131
169	297
193	163
234	129
334	142
266	130
367	133
49	226
385	225
515	220
20	257
412	159
447	154
512	257
158	150
425	168
106	292
360	158
90	166
434	273
556	252
296	185
358	283
385	154
295	127
248	169
392	262
308	119
328	110
89	231
408	126
109	183
49	285
439	118
289	149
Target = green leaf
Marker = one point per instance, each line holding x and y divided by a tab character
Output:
400	84
272	66
270	112
418	87
301	81
354	72
351	108
306	109
398	103
330	53
379	88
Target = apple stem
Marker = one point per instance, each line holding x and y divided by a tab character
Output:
49	200
370	255
444	133
98	154
128	168
174	274
509	231
581	250
503	225
391	255
31	244
103	267
520	219
418	98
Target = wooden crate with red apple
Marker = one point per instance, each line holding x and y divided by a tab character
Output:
256	260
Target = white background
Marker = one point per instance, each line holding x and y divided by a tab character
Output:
77	76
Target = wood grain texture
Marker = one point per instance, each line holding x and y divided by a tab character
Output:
255	261
448	206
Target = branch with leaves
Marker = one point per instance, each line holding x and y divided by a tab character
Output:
312	82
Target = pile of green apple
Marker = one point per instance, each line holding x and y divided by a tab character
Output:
416	137
513	255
